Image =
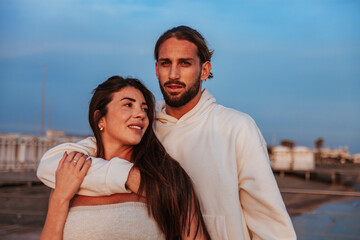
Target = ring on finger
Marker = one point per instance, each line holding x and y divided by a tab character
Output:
75	160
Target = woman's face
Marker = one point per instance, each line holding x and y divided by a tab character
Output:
126	120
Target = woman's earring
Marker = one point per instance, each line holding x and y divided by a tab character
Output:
101	128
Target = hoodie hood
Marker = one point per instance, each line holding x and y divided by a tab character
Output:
206	102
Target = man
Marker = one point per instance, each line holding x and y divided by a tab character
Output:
221	149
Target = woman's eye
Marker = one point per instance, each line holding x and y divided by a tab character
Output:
145	109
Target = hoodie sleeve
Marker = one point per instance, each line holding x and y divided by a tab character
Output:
103	178
263	207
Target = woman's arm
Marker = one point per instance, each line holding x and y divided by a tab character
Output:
70	174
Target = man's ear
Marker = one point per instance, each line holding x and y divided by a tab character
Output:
156	69
205	70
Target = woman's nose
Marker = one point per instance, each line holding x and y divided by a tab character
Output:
140	113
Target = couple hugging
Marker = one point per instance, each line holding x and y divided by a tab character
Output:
187	168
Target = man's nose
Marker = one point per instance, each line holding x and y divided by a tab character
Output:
174	72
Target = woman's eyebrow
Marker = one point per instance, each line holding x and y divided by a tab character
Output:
132	100
127	98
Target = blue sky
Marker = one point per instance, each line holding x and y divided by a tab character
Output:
294	66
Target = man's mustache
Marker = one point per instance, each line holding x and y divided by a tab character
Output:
174	82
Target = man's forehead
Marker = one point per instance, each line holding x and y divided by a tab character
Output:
179	48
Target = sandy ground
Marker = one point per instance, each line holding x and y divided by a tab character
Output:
301	203
295	203
17	232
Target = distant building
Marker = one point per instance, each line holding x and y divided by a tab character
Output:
55	134
304	159
22	152
298	158
335	156
356	158
280	158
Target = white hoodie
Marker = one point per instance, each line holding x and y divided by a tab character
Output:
225	155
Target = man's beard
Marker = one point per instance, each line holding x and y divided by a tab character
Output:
176	102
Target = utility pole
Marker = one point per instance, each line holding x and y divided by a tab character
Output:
35	131
42	131
50	115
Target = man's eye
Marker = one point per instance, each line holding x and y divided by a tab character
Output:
186	63
128	104
164	64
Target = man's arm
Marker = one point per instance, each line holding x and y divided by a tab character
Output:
262	204
103	178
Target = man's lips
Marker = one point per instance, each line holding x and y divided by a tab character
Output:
174	86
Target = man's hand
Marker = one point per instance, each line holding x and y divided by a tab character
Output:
134	179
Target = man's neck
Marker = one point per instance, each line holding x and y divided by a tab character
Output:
181	111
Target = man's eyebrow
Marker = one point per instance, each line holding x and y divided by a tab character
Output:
132	100
181	59
186	59
164	59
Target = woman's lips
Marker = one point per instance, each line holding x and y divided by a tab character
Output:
138	127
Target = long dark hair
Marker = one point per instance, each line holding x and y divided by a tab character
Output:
170	195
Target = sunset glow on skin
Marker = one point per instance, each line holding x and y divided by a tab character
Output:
125	123
179	70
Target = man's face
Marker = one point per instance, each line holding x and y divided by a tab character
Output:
179	71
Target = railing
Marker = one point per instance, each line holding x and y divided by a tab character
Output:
22	153
320	192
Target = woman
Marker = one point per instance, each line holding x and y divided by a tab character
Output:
120	113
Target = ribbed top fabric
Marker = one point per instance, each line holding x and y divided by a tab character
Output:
121	221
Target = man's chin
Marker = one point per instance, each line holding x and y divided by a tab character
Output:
174	102
173	96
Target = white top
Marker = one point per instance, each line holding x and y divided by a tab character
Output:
225	154
121	221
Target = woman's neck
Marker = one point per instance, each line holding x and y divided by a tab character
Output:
114	150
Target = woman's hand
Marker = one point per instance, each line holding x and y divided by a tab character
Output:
70	174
